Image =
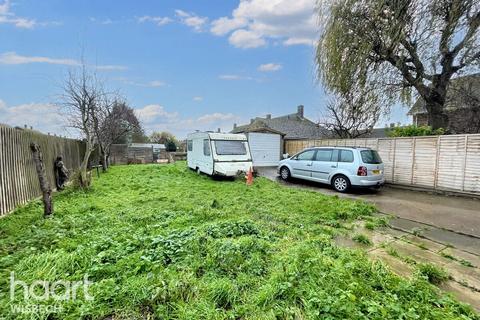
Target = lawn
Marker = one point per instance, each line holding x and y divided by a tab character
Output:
160	242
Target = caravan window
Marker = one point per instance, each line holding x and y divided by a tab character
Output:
206	147
189	145
230	147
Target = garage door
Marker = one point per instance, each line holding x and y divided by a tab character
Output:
265	148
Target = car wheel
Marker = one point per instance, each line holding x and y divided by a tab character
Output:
285	173
341	183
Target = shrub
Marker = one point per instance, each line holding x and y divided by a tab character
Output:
413	131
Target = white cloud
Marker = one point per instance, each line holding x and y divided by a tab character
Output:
270	67
216	117
12	58
192	20
155	113
254	22
246	39
44	117
159	21
225	25
233	77
197	98
151	84
155	117
8	17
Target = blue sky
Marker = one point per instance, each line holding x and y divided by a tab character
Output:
184	65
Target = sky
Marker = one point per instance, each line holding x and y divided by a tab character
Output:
184	65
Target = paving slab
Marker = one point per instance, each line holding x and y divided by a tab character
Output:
459	241
462	274
462	255
425	243
396	266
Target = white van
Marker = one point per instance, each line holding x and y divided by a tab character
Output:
224	154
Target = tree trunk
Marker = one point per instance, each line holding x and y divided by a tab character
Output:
84	180
436	116
42	178
104	162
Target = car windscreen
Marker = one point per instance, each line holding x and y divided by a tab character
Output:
230	147
370	157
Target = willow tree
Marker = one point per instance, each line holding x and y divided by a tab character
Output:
400	48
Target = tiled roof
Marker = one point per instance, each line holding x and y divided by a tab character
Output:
293	126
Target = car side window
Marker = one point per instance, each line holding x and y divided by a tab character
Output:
324	155
346	156
307	155
206	147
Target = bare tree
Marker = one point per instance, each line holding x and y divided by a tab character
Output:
353	114
81	99
113	120
464	107
404	47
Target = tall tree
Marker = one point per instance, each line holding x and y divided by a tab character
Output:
399	47
81	99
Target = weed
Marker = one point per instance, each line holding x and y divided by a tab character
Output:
361	238
432	273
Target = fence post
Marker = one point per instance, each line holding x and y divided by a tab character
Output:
413	159
394	158
437	163
464	161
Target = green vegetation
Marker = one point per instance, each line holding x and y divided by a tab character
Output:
432	273
361	238
160	242
414	131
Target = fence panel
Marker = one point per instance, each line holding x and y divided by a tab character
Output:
425	160
18	177
449	163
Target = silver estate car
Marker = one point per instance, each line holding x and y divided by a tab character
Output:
341	167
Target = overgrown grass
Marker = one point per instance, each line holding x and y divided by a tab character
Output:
160	242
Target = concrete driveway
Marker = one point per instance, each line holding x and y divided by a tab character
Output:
458	214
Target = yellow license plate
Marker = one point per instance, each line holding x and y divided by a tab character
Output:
376	171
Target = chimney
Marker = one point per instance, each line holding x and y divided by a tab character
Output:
218	130
269	116
234	126
300	111
251	121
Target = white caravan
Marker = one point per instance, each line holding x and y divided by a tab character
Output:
224	154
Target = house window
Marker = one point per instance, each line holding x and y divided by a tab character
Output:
206	147
189	145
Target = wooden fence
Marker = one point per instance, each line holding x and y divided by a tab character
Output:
449	163
18	178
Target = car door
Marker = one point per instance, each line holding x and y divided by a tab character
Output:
302	164
324	163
